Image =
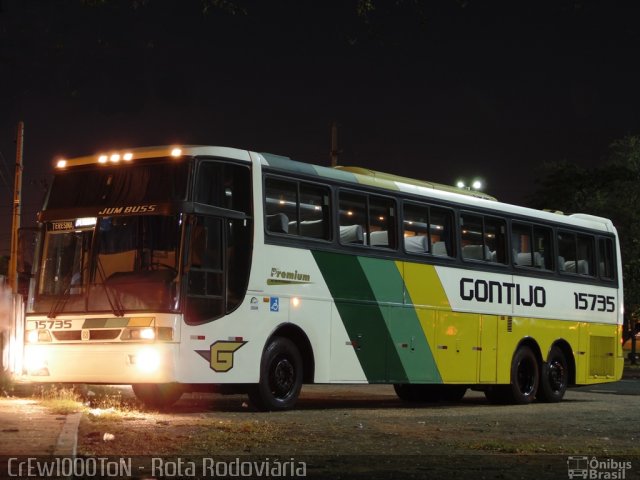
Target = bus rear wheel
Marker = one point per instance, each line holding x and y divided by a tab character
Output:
157	395
280	376
554	377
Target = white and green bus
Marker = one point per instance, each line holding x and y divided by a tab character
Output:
194	268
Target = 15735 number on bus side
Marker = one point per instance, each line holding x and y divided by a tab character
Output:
593	302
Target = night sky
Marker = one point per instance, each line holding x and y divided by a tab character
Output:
435	90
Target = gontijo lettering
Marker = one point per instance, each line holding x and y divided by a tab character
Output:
502	292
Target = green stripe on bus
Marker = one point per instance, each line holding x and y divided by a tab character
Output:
362	316
369	295
409	341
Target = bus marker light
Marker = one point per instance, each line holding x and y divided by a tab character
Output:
236	339
197	337
115	158
295	301
61	163
176	152
102	159
127	156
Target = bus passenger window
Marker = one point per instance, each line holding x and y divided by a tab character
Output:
352	218
542	248
471	238
382	231
281	199
606	265
495	239
297	208
585	255
566	252
314	212
441	231
416	229
521	245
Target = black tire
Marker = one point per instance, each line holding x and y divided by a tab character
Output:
554	377
498	394
280	376
525	376
453	393
406	392
525	379
158	395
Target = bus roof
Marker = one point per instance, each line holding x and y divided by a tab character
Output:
357	175
445	193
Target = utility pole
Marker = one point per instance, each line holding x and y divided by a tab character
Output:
334	144
17	201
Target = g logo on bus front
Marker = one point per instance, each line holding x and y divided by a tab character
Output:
220	354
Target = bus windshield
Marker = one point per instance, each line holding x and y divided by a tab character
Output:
161	181
130	265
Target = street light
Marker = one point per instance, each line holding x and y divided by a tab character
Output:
476	184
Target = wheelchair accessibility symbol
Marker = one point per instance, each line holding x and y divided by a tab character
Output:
274	304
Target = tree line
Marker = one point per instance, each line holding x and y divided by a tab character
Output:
610	190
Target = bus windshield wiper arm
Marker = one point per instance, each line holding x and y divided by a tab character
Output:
116	306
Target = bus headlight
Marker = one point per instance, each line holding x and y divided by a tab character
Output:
35	362
147	360
35	336
147	333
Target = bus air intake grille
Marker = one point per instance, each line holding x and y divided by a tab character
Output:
110	334
67	335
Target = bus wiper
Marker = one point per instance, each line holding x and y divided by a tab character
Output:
116	306
60	303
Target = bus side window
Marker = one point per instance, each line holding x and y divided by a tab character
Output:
297	208
471	239
542	248
441	231
566	252
606	266
382	222
224	185
281	206
352	218
576	253
521	243
495	239
314	208
415	228
585	255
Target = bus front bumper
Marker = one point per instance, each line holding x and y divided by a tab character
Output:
113	363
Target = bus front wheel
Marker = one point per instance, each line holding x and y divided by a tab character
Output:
157	395
280	376
554	377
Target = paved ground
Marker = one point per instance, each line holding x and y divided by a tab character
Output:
28	428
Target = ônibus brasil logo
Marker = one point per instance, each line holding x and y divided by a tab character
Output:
593	468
